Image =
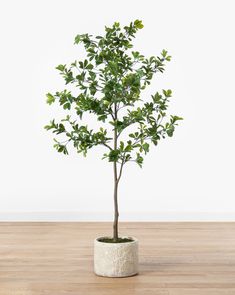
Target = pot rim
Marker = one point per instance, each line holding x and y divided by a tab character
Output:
134	240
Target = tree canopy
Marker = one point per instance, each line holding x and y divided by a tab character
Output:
108	84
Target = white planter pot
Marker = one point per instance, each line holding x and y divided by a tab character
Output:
116	259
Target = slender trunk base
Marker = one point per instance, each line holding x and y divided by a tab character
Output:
116	213
116	180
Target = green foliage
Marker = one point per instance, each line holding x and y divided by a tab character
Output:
108	84
50	98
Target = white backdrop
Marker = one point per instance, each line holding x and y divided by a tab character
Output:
188	177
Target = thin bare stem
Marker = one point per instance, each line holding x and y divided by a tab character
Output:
116	213
120	172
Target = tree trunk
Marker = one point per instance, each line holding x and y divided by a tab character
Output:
116	213
115	197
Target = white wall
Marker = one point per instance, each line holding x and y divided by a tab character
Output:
189	177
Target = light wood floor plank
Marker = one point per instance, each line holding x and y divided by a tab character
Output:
40	258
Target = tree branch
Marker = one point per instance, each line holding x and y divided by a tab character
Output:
120	172
109	147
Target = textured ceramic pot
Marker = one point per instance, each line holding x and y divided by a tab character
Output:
116	259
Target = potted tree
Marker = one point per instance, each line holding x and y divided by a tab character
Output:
108	84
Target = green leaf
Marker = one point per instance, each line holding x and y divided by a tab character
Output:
114	155
138	24
50	98
145	147
67	106
77	39
61	148
61	67
164	53
139	160
170	131
167	93
121	147
128	148
102	118
89	67
175	118
80	64
85	63
135	54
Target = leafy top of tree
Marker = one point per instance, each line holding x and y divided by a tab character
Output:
108	84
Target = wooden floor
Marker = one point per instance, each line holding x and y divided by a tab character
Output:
175	259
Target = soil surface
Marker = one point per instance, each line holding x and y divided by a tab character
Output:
111	240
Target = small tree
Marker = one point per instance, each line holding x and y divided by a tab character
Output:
108	85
